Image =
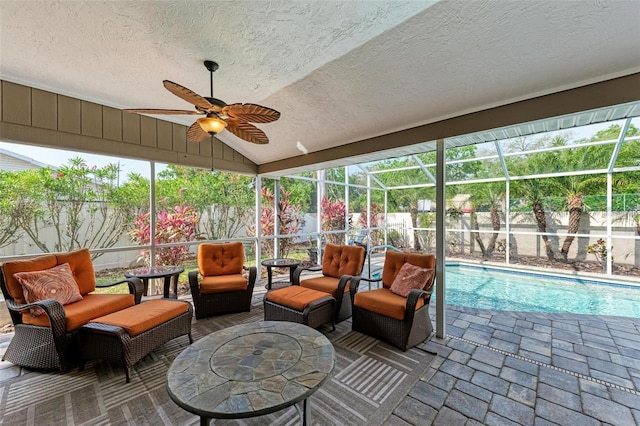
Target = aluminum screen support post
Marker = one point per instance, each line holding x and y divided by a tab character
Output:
441	247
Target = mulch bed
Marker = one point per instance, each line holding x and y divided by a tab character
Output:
557	264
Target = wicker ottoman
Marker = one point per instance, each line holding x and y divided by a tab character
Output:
301	305
126	336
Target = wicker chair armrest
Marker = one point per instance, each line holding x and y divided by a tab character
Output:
343	283
194	282
136	287
53	309
300	269
412	301
50	306
412	298
354	283
253	274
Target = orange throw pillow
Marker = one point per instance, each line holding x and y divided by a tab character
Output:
410	277
55	283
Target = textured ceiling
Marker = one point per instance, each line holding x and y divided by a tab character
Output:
338	71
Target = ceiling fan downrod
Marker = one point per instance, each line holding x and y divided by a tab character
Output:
212	67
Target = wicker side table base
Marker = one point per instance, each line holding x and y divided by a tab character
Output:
113	343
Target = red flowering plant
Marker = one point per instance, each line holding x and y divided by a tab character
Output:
290	217
173	225
333	218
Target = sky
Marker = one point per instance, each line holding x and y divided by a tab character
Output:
57	157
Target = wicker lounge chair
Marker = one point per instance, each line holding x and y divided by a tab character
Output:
218	286
339	265
401	321
49	341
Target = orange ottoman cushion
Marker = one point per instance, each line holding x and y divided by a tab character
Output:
295	297
145	316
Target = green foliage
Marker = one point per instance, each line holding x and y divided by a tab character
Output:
224	201
9	226
79	202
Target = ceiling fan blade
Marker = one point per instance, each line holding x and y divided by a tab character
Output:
247	131
251	112
162	111
190	96
195	133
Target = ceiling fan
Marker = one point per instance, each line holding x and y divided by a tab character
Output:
235	117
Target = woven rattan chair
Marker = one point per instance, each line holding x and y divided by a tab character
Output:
403	322
49	341
339	265
219	286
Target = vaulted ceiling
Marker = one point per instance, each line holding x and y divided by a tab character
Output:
338	71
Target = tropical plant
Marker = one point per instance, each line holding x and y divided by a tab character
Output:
333	218
600	251
290	220
173	225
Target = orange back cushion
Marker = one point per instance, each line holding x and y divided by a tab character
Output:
342	260
220	259
81	268
39	263
394	260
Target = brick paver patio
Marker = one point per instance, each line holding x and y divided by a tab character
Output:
515	368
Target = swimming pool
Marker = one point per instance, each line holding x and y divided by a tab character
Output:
487	288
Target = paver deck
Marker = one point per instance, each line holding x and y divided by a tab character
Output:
505	368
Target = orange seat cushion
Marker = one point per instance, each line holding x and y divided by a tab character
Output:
325	284
340	260
384	302
145	316
295	297
222	283
220	259
91	306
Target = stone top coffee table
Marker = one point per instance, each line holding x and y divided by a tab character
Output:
250	370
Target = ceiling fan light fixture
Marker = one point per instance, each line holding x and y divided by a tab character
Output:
212	125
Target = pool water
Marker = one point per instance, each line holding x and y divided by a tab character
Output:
485	288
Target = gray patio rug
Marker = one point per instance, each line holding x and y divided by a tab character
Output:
369	380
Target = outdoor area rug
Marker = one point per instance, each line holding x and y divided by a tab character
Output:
369	380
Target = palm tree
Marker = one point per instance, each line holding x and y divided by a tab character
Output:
489	195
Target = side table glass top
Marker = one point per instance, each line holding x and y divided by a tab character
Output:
250	369
282	262
153	272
